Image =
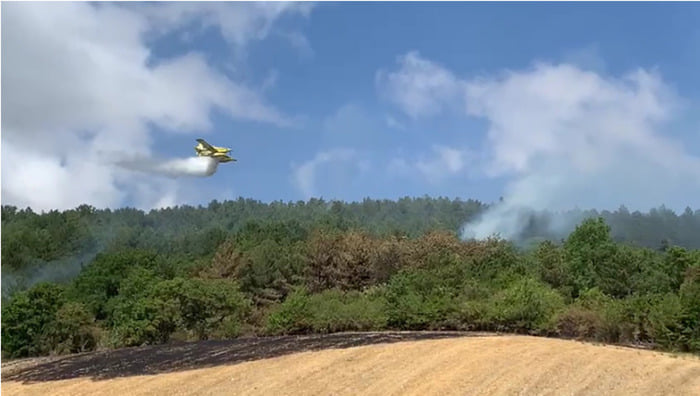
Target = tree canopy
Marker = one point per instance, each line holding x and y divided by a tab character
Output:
86	278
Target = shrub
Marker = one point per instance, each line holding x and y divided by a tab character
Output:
203	305
578	322
74	330
666	323
143	321
293	316
551	265
327	312
690	301
335	311
418	300
27	319
198	306
527	305
474	315
100	280
498	263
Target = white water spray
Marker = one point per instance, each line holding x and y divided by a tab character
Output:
179	167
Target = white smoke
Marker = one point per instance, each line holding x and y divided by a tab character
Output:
573	138
561	136
178	167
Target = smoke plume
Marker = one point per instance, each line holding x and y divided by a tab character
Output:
58	271
565	138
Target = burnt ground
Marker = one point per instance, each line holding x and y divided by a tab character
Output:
158	359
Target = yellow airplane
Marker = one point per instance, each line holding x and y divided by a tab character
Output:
204	149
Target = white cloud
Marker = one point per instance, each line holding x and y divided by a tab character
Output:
446	161
240	23
567	137
300	42
420	87
441	163
333	163
560	115
76	84
349	119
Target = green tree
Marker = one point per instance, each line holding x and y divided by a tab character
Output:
100	281
74	330
27	319
588	251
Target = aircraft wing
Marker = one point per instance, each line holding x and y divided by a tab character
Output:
207	145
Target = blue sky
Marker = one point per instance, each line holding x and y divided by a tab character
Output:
396	99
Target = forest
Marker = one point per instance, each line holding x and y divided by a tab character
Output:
87	279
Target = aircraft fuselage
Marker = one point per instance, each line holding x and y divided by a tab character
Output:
204	149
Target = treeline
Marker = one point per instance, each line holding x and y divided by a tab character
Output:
30	239
290	276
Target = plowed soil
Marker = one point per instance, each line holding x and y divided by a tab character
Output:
403	363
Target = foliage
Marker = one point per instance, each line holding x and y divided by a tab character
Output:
27	320
240	267
327	312
526	305
292	316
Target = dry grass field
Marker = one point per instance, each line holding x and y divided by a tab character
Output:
404	363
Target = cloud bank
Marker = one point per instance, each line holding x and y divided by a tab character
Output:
562	136
78	78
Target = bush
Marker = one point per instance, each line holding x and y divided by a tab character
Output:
143	321
418	300
27	319
690	301
199	307
666	323
474	315
578	322
335	311
328	312
527	305
551	265
100	281
74	330
293	316
204	305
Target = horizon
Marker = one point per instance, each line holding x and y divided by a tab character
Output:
328	202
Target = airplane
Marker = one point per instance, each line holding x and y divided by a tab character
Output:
204	149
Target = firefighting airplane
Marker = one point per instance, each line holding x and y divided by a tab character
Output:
204	149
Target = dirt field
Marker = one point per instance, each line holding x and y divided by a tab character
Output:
361	364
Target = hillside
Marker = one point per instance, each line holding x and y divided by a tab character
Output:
368	364
282	278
